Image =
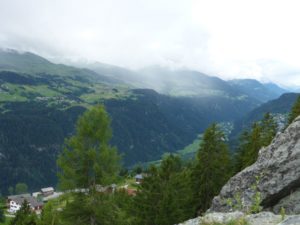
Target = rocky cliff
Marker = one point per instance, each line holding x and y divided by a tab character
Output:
271	184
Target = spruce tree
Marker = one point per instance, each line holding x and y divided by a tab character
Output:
165	196
268	129
295	111
212	168
260	135
86	162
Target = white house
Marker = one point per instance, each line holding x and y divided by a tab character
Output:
15	203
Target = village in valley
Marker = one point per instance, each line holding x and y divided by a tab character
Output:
36	200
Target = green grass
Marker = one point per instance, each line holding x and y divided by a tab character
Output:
191	148
102	92
41	90
187	152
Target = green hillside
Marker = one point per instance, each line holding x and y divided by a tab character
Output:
40	102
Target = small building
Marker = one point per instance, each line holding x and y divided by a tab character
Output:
47	191
16	203
139	178
9	198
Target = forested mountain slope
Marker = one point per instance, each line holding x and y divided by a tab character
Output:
40	102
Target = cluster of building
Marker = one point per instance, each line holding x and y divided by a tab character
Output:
35	200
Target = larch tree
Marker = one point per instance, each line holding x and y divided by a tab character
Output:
87	161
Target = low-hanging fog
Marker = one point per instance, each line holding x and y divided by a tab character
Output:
230	39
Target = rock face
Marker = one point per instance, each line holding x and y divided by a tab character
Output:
263	218
270	181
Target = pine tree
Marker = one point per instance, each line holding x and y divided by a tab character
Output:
255	144
295	111
87	161
261	134
165	196
268	129
24	216
50	214
212	167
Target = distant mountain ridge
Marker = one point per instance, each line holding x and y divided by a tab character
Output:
279	107
40	102
257	90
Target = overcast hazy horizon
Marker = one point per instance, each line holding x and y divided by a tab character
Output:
229	39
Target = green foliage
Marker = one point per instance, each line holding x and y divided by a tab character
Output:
165	196
235	202
261	134
2	216
212	169
282	213
268	129
137	169
256	199
88	159
24	216
295	111
50	214
21	188
99	209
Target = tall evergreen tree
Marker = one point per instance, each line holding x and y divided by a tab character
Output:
261	134
24	216
50	213
87	161
295	111
268	129
164	197
212	168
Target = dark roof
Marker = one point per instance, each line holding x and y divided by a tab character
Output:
18	196
138	176
31	200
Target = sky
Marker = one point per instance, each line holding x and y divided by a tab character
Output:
231	39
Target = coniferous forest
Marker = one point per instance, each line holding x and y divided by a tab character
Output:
171	192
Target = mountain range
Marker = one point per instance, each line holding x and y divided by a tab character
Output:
153	110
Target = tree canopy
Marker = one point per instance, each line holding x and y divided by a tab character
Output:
212	168
88	159
260	135
87	162
295	111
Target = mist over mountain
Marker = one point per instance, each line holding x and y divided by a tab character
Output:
257	90
153	110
